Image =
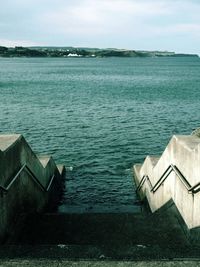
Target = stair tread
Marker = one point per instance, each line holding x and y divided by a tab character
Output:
86	252
154	160
7	140
61	169
101	229
138	167
44	159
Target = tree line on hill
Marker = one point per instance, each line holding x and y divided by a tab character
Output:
20	51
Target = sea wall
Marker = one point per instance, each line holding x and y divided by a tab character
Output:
173	176
28	183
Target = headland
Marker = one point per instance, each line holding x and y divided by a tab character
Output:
20	51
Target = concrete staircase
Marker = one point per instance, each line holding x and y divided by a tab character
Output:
158	232
104	236
111	230
28	183
175	176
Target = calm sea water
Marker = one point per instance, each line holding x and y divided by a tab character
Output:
99	117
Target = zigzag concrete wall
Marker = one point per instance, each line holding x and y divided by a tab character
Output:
19	192
182	152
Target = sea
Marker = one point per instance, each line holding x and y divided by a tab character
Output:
98	117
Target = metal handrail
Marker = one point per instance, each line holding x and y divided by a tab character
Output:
191	189
142	181
3	189
162	178
33	176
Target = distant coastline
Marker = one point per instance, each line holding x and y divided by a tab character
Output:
20	51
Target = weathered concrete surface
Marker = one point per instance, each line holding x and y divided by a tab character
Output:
157	236
102	240
66	263
24	194
110	230
183	152
6	141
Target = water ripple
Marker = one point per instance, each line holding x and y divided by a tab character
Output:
99	117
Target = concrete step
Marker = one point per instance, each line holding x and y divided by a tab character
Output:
154	160
8	140
137	167
44	159
102	237
91	254
61	169
123	229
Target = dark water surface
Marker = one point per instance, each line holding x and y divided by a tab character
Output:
99	117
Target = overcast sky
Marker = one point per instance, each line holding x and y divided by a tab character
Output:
133	24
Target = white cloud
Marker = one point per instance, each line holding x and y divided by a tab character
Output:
116	23
180	29
190	28
102	16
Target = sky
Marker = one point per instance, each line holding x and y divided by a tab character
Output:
167	25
